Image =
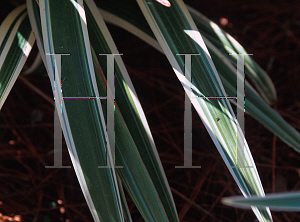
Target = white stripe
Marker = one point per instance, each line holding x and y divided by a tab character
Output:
79	7
206	122
234	124
27	48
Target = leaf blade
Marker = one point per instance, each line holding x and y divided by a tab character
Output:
16	42
103	201
286	201
176	33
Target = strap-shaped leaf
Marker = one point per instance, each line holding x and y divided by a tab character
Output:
16	41
287	201
177	34
254	104
228	45
138	136
64	31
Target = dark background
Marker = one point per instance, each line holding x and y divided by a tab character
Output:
268	29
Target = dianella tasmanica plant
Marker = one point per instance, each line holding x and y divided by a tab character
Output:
98	110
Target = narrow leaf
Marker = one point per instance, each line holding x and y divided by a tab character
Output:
287	201
177	34
64	31
16	41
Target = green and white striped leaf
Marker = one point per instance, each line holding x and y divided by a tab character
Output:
163	187
139	138
177	34
64	31
228	45
254	104
16	41
287	201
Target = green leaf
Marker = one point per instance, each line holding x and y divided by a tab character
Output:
16	41
64	31
287	201
177	34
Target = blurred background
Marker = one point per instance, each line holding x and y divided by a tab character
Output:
269	29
